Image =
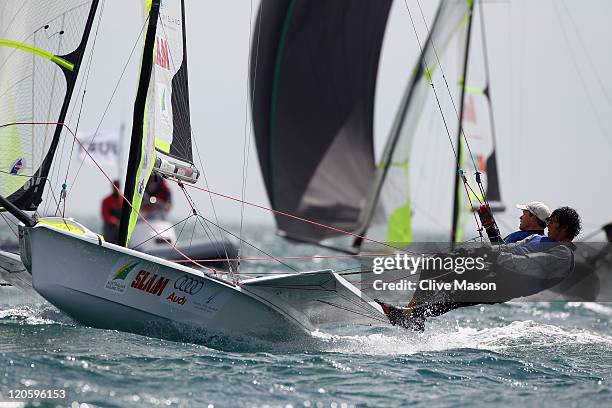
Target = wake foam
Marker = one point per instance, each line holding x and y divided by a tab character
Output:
598	308
514	335
33	315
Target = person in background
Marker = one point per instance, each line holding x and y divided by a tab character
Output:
111	213
157	199
532	221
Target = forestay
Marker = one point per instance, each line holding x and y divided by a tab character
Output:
476	141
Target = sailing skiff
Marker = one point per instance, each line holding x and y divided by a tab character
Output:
111	286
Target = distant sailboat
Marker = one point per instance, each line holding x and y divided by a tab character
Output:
313	88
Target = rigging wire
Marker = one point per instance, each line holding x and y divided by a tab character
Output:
291	258
301	219
586	52
430	76
247	134
251	245
461	130
184	116
9	225
212	237
161	232
582	80
108	105
460	124
174	247
84	83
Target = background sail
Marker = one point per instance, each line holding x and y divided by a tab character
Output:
478	153
41	48
313	76
418	162
478	121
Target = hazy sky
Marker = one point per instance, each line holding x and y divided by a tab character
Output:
550	63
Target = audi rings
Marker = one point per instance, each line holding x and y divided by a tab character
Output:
189	285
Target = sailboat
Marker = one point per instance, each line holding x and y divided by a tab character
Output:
111	286
313	91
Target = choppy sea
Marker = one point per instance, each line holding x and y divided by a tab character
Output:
515	354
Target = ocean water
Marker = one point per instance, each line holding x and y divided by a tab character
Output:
516	354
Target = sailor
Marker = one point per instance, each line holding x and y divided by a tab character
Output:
532	221
521	269
111	213
157	198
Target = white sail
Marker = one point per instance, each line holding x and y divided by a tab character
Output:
418	161
41	48
168	99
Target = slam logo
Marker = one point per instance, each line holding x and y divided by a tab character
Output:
117	280
150	283
17	166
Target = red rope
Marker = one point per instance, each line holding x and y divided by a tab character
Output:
294	217
291	258
187	258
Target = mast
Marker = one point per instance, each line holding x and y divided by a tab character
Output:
460	128
493	189
135	154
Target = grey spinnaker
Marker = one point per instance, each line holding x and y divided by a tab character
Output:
313	76
41	49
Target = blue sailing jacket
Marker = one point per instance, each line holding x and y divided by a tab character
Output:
521	235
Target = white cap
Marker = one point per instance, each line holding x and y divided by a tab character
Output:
537	208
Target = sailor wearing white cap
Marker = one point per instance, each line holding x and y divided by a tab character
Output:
532	221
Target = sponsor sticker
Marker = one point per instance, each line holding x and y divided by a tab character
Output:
117	281
194	294
17	167
175	298
210	303
183	290
162	58
149	282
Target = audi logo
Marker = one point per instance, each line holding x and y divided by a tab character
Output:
189	285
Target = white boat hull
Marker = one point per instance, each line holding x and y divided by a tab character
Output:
107	286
